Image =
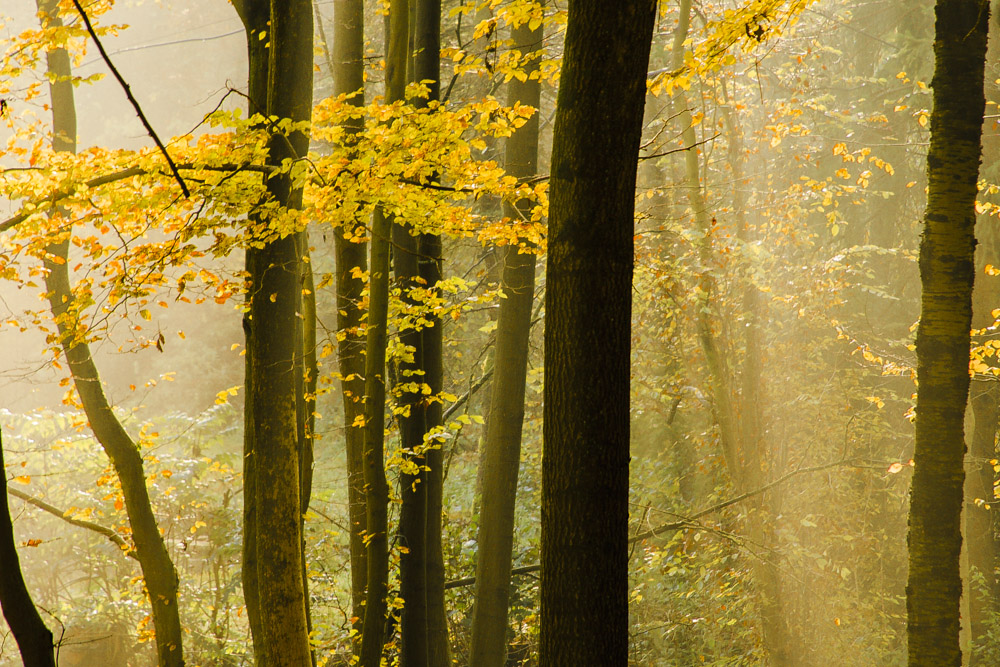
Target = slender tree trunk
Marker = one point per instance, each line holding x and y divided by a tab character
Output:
412	479
275	347
151	552
34	639
585	463
255	15
934	586
348	74
501	457
984	402
427	67
377	495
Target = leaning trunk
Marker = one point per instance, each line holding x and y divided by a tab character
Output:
34	639
151	552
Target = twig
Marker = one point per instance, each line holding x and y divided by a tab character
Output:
674	525
128	94
678	150
453	408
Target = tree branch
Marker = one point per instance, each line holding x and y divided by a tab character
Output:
79	523
676	525
59	195
128	94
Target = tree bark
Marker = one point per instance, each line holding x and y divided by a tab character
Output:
157	568
501	457
281	78
427	67
34	639
255	15
585	463
947	246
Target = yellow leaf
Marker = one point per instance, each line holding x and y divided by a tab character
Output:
23	479
894	468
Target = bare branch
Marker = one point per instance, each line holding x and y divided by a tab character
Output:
135	104
80	523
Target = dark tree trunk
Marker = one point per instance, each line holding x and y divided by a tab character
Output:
255	15
427	67
277	430
501	458
584	595
34	639
947	246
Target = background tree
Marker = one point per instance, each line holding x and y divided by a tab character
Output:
501	458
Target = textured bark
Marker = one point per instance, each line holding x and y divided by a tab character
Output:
34	639
348	75
584	595
934	586
157	568
501	458
378	306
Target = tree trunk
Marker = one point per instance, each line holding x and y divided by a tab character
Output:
501	457
255	15
412	479
275	347
378	309
947	246
427	67
34	639
348	74
157	568
984	401
585	464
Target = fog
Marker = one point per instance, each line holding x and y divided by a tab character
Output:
773	367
